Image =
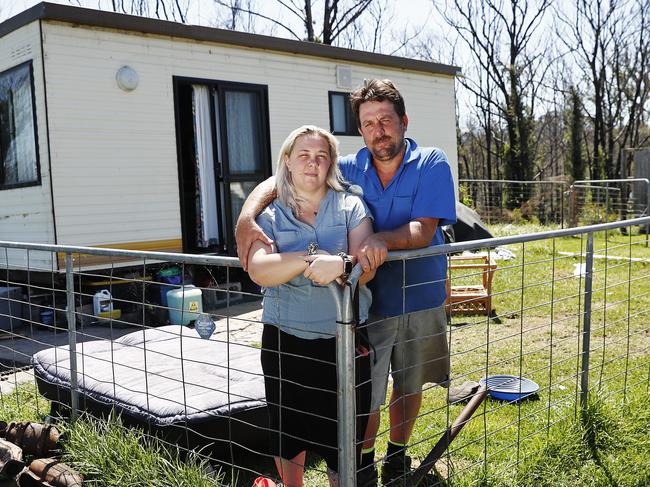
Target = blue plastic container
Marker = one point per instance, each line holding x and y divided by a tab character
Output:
169	279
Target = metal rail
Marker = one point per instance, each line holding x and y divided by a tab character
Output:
393	255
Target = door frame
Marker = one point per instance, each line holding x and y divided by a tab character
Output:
222	170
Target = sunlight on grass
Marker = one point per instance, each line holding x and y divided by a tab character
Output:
24	403
108	454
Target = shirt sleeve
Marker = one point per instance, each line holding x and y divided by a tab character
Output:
265	221
357	210
435	197
345	164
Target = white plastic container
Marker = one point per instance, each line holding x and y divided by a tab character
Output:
185	305
103	303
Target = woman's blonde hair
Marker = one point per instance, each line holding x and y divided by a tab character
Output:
283	183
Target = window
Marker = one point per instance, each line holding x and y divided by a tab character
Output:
342	120
224	153
18	153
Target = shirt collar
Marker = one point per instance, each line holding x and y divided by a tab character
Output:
324	203
411	153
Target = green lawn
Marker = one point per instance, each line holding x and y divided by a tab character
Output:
538	442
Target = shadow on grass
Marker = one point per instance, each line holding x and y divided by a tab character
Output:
596	425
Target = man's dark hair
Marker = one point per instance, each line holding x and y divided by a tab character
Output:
377	90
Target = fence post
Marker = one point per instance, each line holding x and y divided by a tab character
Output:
647	212
562	207
586	323
345	377
573	207
606	203
72	336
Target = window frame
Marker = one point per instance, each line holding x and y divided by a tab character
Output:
352	128
38	181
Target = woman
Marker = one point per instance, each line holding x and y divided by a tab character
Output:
315	226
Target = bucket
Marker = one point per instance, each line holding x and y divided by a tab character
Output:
185	305
102	303
168	279
47	317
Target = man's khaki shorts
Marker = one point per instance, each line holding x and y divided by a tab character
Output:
414	348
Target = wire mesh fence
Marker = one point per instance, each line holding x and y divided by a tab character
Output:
566	309
555	202
608	200
505	201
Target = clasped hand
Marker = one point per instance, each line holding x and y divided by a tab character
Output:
323	268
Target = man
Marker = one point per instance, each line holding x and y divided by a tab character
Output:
409	190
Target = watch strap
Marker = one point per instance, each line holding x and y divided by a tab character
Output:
347	265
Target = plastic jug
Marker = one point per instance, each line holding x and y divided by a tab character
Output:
103	303
185	305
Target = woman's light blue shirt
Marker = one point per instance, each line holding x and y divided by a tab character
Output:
300	307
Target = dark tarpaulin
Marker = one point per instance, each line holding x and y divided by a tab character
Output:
468	226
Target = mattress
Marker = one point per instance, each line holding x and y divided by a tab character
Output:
202	393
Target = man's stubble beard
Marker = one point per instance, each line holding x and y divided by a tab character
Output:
386	153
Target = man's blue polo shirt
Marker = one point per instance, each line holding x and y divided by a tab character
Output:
422	187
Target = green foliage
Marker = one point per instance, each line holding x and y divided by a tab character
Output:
24	403
592	212
597	166
522	216
465	196
110	455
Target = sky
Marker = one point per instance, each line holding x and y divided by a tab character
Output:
202	11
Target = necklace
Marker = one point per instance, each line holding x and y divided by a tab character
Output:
313	210
307	207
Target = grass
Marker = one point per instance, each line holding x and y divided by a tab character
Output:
23	403
539	336
547	441
610	447
107	453
113	456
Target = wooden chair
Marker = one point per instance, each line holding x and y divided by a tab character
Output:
470	298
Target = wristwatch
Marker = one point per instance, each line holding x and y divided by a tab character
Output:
347	265
312	248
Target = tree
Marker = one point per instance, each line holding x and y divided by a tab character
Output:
232	15
175	10
633	87
575	135
336	17
503	36
610	45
